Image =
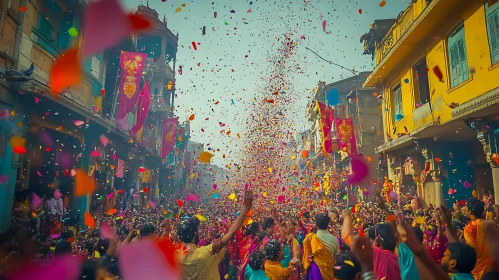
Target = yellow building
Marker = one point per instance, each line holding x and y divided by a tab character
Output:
437	74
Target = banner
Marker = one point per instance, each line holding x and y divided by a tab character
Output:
346	135
327	118
169	136
120	169
131	65
142	109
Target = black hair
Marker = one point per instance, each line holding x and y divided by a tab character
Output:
89	270
322	220
371	232
346	266
63	247
102	246
268	223
256	260
261	235
252	229
492	275
419	233
186	230
476	207
272	250
464	255
67	234
147	230
385	237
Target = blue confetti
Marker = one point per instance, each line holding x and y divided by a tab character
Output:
406	80
333	97
398	117
496	130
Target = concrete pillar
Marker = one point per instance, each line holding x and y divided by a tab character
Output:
495	180
439	194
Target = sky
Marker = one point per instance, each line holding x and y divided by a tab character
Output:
225	78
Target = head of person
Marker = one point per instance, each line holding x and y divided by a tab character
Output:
419	233
322	220
459	258
273	251
476	208
147	230
268	224
347	267
187	230
256	260
252	229
63	247
385	239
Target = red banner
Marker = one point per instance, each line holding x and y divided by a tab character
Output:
169	136
327	118
131	65
142	109
346	135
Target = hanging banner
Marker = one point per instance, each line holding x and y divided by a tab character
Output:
169	136
346	135
120	169
142	109
131	65
327	118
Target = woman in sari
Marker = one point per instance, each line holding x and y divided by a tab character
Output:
248	245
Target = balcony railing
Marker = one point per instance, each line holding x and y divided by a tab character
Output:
399	28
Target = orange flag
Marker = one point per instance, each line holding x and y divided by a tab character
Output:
84	184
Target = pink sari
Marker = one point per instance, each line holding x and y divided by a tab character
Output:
248	245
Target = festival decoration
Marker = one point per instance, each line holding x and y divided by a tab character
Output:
131	65
169	136
346	135
326	122
142	109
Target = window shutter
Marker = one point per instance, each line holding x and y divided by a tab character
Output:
458	61
493	30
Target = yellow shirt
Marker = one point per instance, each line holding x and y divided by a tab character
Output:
198	263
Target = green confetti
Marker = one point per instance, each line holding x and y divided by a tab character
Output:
345	197
73	32
226	23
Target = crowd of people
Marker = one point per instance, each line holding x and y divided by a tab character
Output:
255	240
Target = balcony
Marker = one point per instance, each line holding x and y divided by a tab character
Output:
417	24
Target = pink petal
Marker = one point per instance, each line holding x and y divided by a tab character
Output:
152	204
104	140
39	173
57	194
108	14
192	197
73	172
280	199
114	156
144	260
214	186
467	184
109	196
55	236
393	195
324	25
360	170
3	179
95	153
106	231
35	201
62	268
37	99
78	122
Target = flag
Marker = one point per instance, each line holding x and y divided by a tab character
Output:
346	136
327	118
120	169
142	110
169	136
131	65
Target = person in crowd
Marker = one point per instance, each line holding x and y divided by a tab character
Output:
459	260
202	262
276	263
407	262
254	269
320	249
474	234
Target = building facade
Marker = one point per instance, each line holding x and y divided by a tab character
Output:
77	128
435	73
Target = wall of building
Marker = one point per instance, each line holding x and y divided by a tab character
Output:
481	74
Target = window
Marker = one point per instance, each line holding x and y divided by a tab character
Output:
397	103
53	23
423	90
458	62
492	12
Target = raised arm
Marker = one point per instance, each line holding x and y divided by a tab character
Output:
347	228
238	223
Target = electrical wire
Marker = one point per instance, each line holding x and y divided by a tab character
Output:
330	62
